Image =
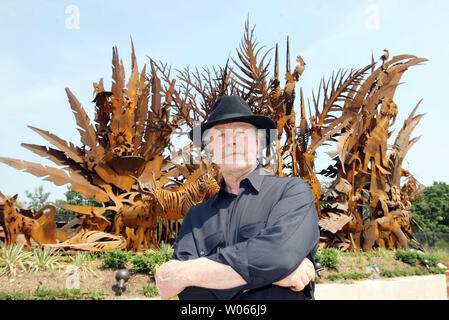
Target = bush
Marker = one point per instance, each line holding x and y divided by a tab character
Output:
149	261
414	257
328	257
409	257
115	258
412	272
43	259
142	262
12	259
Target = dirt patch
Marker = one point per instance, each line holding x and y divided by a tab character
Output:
98	278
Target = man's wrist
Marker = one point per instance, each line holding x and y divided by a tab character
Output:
188	273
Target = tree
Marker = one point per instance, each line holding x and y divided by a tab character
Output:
431	210
37	199
75	198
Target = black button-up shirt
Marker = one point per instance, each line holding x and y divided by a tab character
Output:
263	233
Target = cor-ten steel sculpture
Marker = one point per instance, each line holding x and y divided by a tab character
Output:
121	161
41	229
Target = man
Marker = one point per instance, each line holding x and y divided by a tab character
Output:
257	237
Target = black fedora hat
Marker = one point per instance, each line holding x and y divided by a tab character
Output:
232	109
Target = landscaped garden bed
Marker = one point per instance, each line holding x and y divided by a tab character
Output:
45	274
349	266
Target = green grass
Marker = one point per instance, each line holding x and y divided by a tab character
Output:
50	294
348	276
420	271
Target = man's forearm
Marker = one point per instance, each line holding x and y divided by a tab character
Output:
206	273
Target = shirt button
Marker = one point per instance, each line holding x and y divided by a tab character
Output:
201	253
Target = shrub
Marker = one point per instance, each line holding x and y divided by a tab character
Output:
414	257
115	258
83	261
13	258
409	257
43	259
412	272
328	257
142	262
149	261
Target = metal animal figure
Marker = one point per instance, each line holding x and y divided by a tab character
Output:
197	188
41	230
170	205
140	215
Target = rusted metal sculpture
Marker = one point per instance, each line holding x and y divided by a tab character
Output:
133	126
122	163
42	229
366	205
95	241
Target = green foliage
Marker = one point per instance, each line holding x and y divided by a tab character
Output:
49	294
149	291
328	257
44	259
412	272
150	260
409	257
37	199
115	258
348	276
82	260
431	210
12	259
414	257
143	263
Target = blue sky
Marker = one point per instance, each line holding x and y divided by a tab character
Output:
50	45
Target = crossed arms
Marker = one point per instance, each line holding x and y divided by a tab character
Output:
277	255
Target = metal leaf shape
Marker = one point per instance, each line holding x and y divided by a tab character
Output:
335	222
95	241
58	157
67	147
59	177
86	129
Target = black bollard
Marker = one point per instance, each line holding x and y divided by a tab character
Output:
121	276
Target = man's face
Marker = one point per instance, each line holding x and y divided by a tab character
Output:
233	145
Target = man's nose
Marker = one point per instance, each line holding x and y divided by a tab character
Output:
230	138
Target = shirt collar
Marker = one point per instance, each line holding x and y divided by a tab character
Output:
255	178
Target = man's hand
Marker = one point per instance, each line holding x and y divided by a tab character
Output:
299	278
170	280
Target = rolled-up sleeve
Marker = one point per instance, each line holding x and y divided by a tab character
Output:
290	235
